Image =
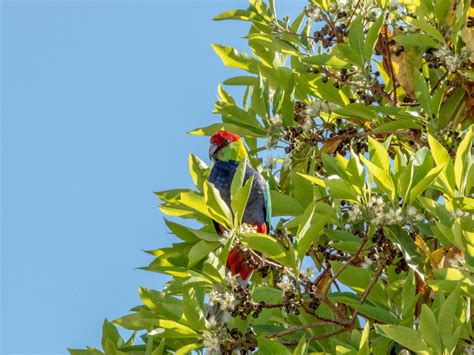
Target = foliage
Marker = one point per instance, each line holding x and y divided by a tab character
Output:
362	112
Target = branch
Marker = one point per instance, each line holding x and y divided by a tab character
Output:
298	328
390	66
366	293
322	336
351	259
346	136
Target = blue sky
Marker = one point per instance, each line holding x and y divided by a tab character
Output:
96	99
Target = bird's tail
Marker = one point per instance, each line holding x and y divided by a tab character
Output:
215	313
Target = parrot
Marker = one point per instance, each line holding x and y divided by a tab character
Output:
228	151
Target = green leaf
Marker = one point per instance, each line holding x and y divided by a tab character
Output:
310	232
244	15
441	157
238	179
364	341
398	124
284	205
200	250
243	80
172	329
404	336
416	40
234	58
187	349
442	9
342	189
239	201
422	92
217	204
424	183
181	232
197	170
302	347
463	161
110	333
372	37
329	60
192	310
447	316
378	154
268	346
428	28
356	37
429	329
383	179
358	279
131	321
268	246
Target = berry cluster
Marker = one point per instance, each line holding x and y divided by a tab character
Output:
291	303
383	249
246	343
433	61
328	35
314	300
245	306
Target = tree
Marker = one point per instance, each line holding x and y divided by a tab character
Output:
366	108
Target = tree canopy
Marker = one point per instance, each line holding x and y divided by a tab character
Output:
358	113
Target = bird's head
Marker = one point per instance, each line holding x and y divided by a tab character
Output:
227	146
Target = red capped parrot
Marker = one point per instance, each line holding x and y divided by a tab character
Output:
227	151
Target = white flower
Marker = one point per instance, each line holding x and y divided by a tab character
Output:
459	213
276	120
419	217
271	94
454	263
231	281
354	213
313	12
228	300
412	211
394	216
308	272
316	107
247	228
366	263
213	337
378	218
285	284
214	297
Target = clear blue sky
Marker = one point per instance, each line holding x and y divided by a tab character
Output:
96	99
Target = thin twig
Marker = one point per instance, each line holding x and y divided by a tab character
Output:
353	12
298	328
366	293
322	336
351	259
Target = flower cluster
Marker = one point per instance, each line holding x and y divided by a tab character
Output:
225	299
366	8
452	62
214	337
379	213
243	228
313	12
285	284
316	107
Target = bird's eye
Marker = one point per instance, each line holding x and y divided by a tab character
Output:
226	141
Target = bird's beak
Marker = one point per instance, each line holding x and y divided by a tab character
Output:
212	150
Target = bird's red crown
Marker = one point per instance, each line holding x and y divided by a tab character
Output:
223	137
